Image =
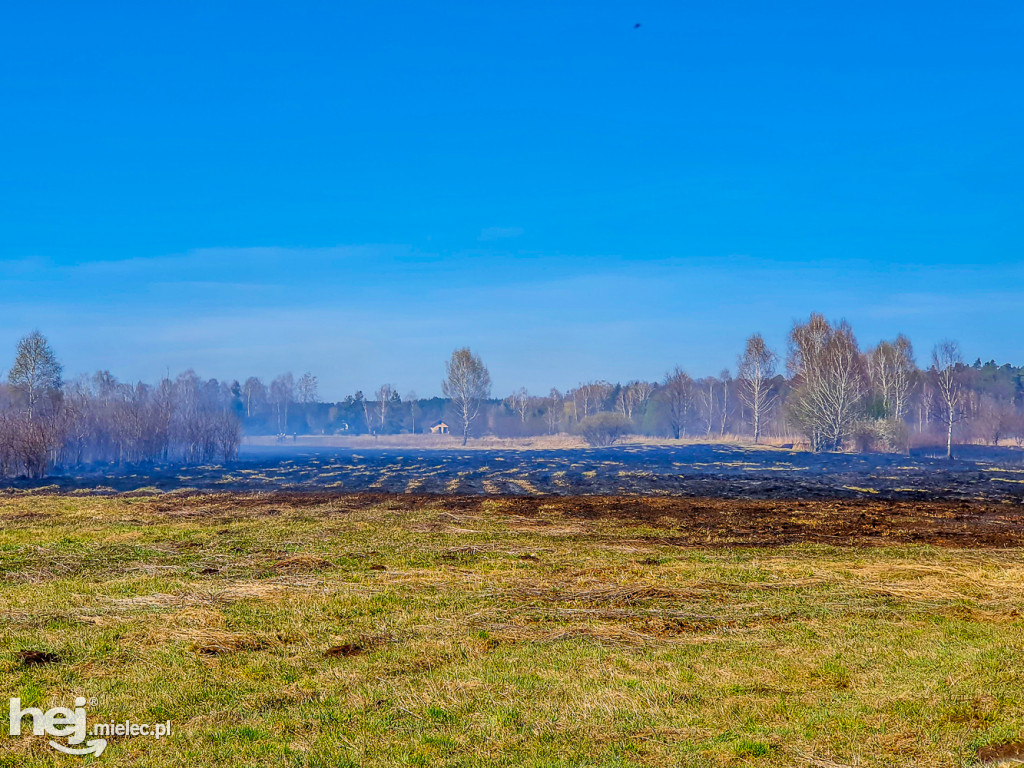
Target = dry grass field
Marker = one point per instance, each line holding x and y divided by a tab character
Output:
358	630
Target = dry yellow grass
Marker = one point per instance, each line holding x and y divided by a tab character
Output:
559	441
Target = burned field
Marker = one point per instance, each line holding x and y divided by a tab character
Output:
984	474
700	606
681	522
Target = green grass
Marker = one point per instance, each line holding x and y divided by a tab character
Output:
476	637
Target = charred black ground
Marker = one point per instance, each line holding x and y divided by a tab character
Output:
672	522
707	471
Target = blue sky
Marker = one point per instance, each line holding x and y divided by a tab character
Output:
357	188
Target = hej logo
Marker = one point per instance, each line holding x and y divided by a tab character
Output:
61	722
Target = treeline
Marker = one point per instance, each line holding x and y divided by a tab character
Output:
825	391
48	423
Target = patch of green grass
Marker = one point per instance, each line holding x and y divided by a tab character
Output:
745	747
306	632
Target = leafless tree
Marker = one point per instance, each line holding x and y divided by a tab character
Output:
589	398
725	378
829	381
623	403
925	404
254	392
282	395
553	411
228	435
307	387
519	401
600	394
36	374
677	393
707	400
384	395
892	369
633	398
414	408
992	420
467	384
947	377
756	369
581	404
1016	428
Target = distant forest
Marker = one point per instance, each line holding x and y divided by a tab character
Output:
823	391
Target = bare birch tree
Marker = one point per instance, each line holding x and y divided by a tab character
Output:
756	369
892	369
36	374
384	397
590	398
633	398
282	394
726	380
519	401
829	381
414	407
308	388
677	393
947	375
467	384
254	392
553	412
707	399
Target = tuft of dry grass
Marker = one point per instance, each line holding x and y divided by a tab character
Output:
616	595
301	564
362	644
214	643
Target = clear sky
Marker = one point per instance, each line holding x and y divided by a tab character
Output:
357	188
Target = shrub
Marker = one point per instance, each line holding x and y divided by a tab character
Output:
891	435
604	428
